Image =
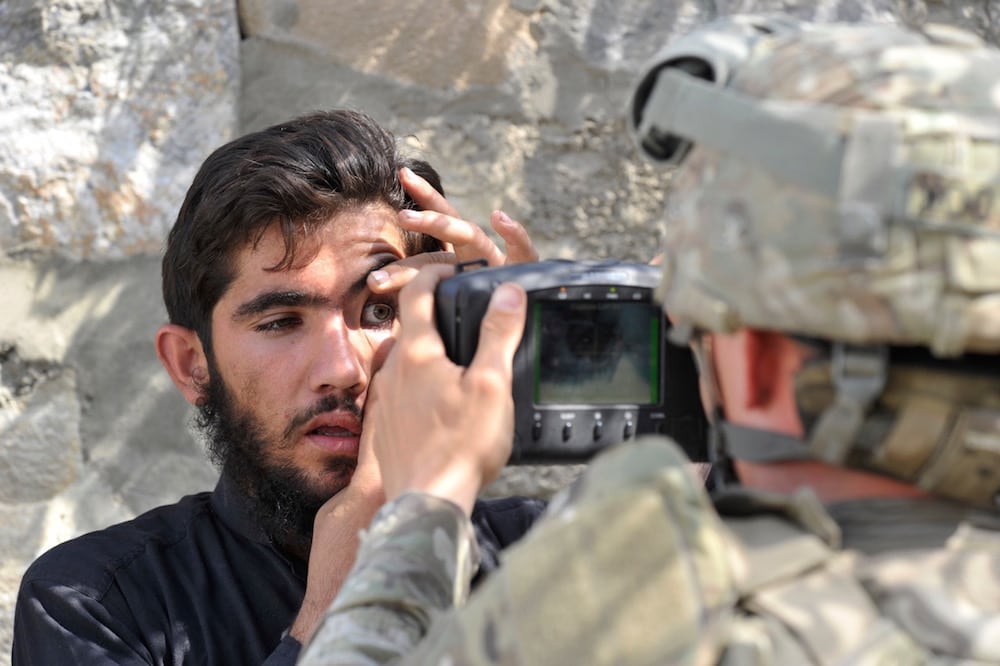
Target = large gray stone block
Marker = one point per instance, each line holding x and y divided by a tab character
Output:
40	453
108	108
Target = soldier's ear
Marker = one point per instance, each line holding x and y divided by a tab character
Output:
762	352
180	351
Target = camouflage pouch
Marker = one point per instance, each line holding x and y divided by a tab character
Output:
946	597
801	601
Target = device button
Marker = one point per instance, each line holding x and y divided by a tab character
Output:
536	430
567	431
629	429
598	430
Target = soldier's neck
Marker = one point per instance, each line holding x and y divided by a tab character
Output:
831	484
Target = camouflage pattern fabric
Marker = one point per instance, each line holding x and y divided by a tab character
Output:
417	558
930	597
627	566
844	183
634	566
841	182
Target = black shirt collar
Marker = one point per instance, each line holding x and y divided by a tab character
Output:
231	504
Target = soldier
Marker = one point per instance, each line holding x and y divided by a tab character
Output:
833	258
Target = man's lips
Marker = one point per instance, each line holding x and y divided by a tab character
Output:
335	432
330	431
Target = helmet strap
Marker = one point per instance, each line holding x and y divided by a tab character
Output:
858	374
721	472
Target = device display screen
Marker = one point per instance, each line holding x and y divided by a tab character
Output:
605	352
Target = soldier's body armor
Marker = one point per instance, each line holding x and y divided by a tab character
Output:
634	565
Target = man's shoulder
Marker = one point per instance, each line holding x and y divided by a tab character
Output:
89	563
507	518
500	522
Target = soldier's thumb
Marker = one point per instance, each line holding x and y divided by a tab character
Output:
502	327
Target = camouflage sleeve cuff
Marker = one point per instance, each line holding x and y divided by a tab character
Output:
416	558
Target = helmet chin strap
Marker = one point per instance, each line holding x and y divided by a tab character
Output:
757	445
722	472
858	375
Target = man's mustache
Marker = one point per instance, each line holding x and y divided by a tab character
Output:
328	403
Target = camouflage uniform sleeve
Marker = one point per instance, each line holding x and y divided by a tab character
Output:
416	559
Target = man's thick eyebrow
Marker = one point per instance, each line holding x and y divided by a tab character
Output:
277	299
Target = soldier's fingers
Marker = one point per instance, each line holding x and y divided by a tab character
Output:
424	195
470	242
515	237
396	275
416	311
501	331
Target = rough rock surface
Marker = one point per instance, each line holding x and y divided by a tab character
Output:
109	106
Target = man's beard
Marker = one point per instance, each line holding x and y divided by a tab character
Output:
282	501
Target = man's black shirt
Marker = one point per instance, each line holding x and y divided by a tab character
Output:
194	581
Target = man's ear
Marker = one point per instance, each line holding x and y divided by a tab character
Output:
179	350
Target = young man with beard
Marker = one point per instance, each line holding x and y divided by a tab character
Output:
279	280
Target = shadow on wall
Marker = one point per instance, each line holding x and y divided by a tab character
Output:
134	448
103	434
134	427
118	103
92	431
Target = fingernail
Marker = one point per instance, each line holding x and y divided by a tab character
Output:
410	215
408	172
507	297
379	276
505	218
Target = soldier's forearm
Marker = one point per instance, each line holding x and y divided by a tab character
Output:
417	558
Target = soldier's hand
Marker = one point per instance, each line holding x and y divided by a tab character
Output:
437	427
463	240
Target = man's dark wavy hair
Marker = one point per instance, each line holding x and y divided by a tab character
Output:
295	175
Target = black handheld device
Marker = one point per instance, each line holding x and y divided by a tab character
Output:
594	366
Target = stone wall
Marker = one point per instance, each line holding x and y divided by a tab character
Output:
109	106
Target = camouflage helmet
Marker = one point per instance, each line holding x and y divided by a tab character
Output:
839	181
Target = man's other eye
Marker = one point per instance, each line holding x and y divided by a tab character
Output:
376	314
277	325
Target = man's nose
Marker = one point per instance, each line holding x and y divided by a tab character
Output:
339	363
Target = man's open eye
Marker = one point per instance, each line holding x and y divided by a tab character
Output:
376	314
